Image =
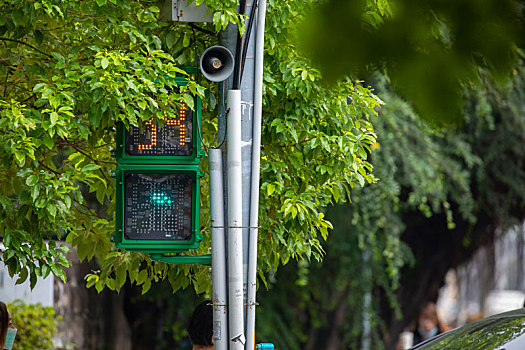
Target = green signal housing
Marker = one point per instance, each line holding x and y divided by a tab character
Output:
158	183
157	208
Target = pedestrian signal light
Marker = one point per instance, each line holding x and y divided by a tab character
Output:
175	141
158	182
158	207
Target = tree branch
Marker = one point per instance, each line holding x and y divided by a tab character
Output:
90	211
24	43
15	85
27	99
81	150
52	29
48	168
87	155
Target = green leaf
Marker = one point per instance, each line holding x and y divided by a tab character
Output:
91	280
82	251
24	172
58	272
46	270
20	157
360	178
146	286
143	275
99	285
362	152
142	104
171	38
39	87
104	63
62	207
110	283
270	188
101	192
383	7
32	280
31	180
48	141
120	275
22	276
186	40
337	193
53	117
18	17
132	85
52	209
90	167
188	100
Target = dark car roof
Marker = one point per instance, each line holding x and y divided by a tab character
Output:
504	331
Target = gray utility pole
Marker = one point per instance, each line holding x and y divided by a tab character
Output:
234	269
247	95
245	82
256	166
235	239
218	244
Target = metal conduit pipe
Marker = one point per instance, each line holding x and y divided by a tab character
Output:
256	156
218	249
235	259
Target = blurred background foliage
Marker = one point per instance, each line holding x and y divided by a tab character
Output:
441	194
36	326
431	49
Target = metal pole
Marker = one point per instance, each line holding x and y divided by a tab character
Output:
228	38
235	264
256	156
246	87
218	249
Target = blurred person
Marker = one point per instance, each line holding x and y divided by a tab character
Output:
400	345
405	340
7	330
4	323
200	327
428	323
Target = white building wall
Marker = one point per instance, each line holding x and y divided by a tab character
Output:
9	291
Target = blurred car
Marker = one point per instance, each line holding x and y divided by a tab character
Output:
504	331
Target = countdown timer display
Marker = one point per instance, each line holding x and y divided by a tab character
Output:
173	138
158	206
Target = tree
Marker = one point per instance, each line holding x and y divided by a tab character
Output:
71	69
441	195
430	48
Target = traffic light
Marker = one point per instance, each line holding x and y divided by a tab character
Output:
158	183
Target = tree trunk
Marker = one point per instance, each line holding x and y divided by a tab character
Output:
90	320
334	341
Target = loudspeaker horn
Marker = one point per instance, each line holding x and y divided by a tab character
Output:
216	63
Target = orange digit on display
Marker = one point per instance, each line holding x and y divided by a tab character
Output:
153	137
180	123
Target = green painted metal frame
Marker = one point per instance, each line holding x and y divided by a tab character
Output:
185	259
157	246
